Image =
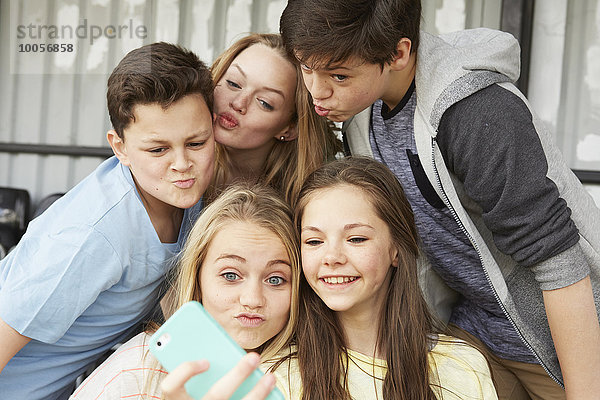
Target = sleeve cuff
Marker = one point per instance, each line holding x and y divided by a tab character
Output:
562	270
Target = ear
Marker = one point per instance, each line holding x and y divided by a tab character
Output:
395	261
402	56
118	146
290	133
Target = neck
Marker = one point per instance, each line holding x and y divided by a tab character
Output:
361	323
399	83
361	333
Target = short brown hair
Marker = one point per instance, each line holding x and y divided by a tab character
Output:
329	32
156	73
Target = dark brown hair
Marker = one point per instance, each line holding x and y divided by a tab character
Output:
328	32
156	73
405	324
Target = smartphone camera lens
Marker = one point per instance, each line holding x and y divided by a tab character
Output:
163	340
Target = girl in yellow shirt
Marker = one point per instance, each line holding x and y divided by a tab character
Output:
364	330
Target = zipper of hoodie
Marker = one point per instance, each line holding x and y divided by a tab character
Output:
487	277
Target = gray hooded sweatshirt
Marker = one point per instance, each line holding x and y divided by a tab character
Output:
532	224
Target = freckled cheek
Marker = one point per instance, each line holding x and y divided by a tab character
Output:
220	97
375	263
281	310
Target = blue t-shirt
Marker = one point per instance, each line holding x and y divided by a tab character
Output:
86	272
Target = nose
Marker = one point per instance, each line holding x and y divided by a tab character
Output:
252	296
334	255
239	103
181	161
317	86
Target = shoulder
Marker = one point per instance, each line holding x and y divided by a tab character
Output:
90	201
450	348
492	105
285	367
129	372
459	370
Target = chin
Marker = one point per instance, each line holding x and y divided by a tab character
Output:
187	202
337	118
250	345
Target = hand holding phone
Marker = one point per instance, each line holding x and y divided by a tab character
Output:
173	384
192	334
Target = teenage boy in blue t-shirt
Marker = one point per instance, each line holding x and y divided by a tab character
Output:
89	269
503	220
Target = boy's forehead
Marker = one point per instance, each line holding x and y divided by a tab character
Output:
318	62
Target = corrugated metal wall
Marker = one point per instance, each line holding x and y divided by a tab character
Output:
59	98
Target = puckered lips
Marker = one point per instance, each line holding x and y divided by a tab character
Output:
250	320
227	120
322	111
185	183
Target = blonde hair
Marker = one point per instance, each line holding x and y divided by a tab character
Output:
258	205
289	162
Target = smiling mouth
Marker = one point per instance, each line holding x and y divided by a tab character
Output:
337	280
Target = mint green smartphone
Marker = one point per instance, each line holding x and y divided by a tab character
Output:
193	334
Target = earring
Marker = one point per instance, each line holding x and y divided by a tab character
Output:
282	138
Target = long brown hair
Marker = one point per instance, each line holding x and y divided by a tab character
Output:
405	324
289	162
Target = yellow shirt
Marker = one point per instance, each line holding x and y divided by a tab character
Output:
459	372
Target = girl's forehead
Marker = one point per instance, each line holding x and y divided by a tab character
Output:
339	198
235	232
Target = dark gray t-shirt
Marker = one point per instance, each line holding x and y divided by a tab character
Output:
445	244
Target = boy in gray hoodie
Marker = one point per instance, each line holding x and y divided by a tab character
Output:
511	238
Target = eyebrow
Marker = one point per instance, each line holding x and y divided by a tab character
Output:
346	227
231	256
243	260
199	136
336	67
330	67
270	89
276	262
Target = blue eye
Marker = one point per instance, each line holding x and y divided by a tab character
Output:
275	280
313	242
357	240
339	78
230	276
157	150
265	105
232	84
